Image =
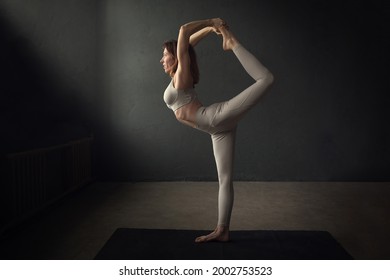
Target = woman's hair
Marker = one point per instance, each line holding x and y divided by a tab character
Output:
171	47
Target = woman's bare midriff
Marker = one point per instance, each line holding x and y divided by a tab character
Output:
187	113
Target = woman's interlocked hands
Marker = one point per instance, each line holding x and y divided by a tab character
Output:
218	23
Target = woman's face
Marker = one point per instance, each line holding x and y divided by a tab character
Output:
168	60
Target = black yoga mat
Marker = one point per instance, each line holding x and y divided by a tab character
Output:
162	244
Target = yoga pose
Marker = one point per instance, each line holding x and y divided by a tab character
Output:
220	119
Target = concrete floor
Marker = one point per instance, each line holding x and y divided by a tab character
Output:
356	214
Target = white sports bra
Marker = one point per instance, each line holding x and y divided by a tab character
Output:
176	98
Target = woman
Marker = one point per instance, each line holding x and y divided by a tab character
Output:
220	119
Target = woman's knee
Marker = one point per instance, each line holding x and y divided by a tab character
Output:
226	179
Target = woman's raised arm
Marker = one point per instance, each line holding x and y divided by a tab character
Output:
183	78
198	36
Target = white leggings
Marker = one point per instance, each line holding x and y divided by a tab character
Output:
220	121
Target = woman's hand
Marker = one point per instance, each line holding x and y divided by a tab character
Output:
218	22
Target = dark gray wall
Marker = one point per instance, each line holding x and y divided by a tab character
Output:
324	119
74	67
48	72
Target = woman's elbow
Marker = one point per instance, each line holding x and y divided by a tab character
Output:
184	31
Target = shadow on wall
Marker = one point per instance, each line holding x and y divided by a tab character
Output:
37	108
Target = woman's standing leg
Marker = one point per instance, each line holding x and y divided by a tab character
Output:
223	147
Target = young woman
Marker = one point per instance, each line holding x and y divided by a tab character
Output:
220	119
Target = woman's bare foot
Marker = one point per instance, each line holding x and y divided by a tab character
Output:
229	41
221	234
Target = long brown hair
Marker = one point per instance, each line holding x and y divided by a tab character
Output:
171	47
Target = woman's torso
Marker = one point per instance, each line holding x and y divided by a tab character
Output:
187	112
